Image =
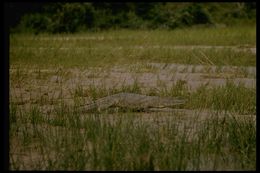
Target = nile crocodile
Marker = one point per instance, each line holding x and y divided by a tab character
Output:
132	101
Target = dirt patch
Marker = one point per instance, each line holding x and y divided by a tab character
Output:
52	90
54	85
49	87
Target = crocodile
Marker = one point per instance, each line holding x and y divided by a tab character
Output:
132	101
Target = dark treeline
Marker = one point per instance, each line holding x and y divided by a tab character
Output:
93	16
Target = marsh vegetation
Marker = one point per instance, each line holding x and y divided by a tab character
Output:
213	68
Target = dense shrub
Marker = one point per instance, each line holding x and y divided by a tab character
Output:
73	17
35	23
193	14
70	17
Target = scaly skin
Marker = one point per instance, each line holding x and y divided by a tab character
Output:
133	101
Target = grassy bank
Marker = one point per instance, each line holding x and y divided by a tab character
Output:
127	46
65	139
214	130
129	142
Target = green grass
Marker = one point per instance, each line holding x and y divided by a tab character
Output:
110	57
230	97
97	143
126	46
238	35
65	139
95	92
